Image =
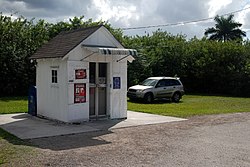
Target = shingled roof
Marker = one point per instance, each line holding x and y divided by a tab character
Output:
63	43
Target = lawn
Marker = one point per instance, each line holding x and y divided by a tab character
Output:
192	105
11	147
9	105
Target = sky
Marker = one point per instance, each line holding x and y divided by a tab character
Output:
134	13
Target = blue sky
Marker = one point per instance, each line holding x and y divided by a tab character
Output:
134	13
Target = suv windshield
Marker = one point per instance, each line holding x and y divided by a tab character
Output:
149	82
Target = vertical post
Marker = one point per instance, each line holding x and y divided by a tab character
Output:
97	90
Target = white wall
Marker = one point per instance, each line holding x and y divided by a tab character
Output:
77	111
118	96
102	37
52	97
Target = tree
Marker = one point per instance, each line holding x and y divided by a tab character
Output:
79	22
20	38
226	29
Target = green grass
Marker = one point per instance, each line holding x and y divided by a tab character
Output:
7	150
13	148
192	105
9	105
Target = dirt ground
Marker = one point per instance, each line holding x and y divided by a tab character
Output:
214	140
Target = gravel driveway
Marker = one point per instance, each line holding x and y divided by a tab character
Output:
215	140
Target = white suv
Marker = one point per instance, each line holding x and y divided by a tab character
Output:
157	88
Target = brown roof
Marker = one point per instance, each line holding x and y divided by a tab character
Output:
63	43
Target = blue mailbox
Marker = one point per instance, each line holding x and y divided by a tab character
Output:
32	101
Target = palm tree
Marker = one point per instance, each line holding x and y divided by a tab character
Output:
225	29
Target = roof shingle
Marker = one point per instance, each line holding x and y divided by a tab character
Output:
63	43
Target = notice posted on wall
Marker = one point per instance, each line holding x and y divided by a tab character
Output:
80	74
79	92
116	82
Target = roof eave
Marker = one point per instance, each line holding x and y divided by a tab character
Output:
35	58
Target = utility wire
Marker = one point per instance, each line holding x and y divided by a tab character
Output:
183	23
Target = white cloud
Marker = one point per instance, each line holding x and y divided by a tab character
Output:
132	13
117	12
243	17
216	5
12	7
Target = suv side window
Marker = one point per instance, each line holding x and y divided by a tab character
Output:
172	82
161	83
169	82
175	82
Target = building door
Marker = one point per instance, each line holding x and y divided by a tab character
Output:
98	90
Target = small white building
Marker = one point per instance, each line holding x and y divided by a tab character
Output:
82	75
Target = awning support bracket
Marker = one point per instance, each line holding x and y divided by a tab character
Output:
88	56
122	58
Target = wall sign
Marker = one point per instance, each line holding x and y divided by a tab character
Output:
79	92
80	74
116	82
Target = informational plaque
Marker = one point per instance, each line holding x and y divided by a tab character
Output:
116	82
79	92
80	74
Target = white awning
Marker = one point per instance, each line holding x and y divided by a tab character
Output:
109	50
126	53
117	51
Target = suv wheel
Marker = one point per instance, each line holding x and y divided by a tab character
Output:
176	97
148	98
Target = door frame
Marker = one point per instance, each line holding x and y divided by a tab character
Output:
96	87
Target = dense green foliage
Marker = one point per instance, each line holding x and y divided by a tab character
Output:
204	66
225	29
19	39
